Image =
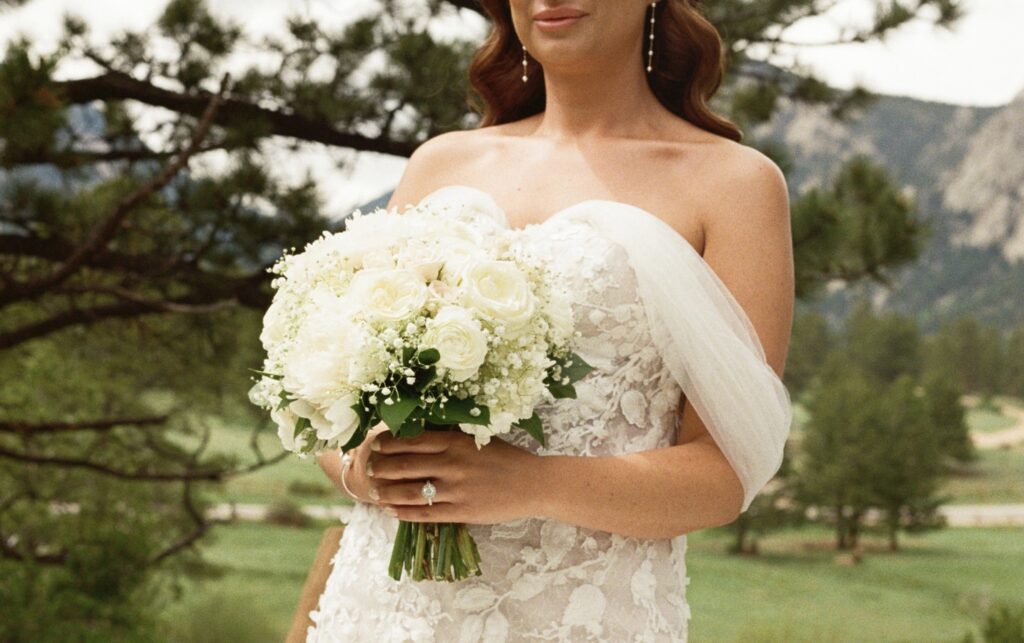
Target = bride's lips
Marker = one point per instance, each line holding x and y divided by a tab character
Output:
555	19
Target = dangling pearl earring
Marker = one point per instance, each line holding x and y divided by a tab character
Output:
650	49
524	63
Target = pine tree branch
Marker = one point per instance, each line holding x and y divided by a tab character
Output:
105	231
119	86
200	522
210	475
208	286
70	159
87	316
106	424
58	249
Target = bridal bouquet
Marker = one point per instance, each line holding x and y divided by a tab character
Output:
426	320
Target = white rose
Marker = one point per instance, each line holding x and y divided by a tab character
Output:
311	412
387	295
285	419
378	259
499	291
343	419
460	340
459	254
425	257
331	350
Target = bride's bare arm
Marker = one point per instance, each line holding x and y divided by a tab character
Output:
691	485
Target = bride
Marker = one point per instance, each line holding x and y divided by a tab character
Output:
598	149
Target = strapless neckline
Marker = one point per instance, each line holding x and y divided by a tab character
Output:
567	211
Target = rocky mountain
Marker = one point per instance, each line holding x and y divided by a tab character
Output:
965	168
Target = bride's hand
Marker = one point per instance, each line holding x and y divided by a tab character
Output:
355	478
497	483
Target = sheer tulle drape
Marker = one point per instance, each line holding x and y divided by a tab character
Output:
706	340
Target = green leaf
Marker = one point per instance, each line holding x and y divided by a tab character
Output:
285	401
412	427
456	411
424	378
562	390
273	375
533	426
407	353
429	356
356	439
360	409
395	414
301	425
578	369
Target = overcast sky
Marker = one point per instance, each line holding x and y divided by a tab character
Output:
972	64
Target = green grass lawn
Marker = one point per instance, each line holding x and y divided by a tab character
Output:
271	483
997	476
986	418
936	589
264	569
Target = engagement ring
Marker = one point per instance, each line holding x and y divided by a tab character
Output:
428	491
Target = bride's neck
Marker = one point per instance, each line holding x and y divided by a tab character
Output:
605	102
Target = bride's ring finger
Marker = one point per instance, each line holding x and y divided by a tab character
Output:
411	492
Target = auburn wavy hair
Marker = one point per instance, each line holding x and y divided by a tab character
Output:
687	68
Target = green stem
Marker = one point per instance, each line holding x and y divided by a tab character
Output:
398	552
421	544
442	546
450	556
466	549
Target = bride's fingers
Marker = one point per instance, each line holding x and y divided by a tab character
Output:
410	493
426	442
404	466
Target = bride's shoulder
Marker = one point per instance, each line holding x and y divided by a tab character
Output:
441	160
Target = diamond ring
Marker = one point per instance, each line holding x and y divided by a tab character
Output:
429	491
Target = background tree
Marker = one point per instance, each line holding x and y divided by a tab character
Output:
885	346
906	460
880	432
834	462
140	204
773	509
946	413
971	352
810	342
1014	373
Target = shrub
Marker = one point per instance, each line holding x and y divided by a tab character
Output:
288	514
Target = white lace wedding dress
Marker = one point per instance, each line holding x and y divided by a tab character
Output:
544	580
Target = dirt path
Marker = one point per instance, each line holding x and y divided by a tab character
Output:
1009	436
996	515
